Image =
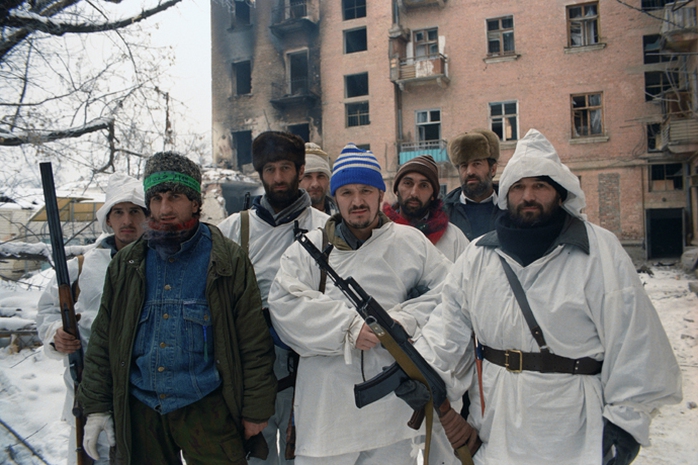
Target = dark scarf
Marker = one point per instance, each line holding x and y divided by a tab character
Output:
528	244
168	241
265	211
433	225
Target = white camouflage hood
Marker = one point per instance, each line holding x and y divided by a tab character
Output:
535	156
121	188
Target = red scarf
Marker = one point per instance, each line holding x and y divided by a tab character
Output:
433	227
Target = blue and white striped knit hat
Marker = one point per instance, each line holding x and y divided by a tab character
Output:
356	166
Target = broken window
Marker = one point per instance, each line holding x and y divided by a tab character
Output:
366	147
242	143
301	130
298	73
297	9
243	77
654	4
504	120
426	42
583	24
356	85
652	50
587	115
242	13
357	114
668	177
658	82
654	131
352	9
355	40
428	125
500	36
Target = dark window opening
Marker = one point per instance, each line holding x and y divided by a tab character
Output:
587	115
366	147
243	77
504	120
298	73
653	132
301	130
667	177
242	13
652	50
428	125
658	82
352	9
654	4
357	114
242	142
355	40
356	85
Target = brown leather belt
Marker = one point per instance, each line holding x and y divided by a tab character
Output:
544	362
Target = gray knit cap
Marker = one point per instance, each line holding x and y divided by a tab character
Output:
170	171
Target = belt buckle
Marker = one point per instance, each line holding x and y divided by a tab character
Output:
506	360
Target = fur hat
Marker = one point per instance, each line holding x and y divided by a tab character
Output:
120	188
424	165
316	161
474	145
273	146
356	166
170	171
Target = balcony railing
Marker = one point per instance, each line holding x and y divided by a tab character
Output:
435	148
679	134
678	16
295	16
427	68
294	92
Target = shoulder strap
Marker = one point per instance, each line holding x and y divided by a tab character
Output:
323	272
525	307
76	286
245	230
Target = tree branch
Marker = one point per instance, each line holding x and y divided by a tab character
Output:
8	139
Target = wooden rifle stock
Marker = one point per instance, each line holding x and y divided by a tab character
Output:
65	297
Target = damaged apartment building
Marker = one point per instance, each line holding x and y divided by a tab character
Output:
611	84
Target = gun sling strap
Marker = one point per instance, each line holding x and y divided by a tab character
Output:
543	361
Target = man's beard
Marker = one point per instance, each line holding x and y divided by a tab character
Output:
283	199
530	220
363	224
481	188
316	199
412	212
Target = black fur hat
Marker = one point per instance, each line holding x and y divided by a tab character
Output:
272	146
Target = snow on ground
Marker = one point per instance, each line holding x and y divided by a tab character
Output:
32	389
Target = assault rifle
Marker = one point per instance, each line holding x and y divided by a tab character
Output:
409	362
65	296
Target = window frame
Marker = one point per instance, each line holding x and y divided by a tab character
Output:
359	115
583	20
426	42
348	77
355	8
237	68
351	31
654	182
499	34
587	109
504	118
665	83
290	57
653	130
419	126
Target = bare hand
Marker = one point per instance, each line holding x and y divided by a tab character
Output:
65	343
459	432
252	429
367	339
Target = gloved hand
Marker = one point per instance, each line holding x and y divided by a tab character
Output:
626	447
96	423
414	393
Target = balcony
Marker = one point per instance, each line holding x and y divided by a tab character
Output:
296	16
679	135
294	93
679	26
412	4
419	71
435	148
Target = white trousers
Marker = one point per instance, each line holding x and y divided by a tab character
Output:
400	453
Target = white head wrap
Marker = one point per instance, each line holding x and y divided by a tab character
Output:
121	188
535	156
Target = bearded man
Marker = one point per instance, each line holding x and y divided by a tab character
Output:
473	206
576	361
180	359
417	188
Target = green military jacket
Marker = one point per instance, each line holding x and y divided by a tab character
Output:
243	347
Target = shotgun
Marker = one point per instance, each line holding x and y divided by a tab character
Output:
65	296
409	362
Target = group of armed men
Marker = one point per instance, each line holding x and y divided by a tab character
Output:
203	339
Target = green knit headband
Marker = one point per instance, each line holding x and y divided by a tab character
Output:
171	176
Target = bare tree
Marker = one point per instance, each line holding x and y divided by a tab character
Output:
80	84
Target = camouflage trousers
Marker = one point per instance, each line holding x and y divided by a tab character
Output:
203	432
